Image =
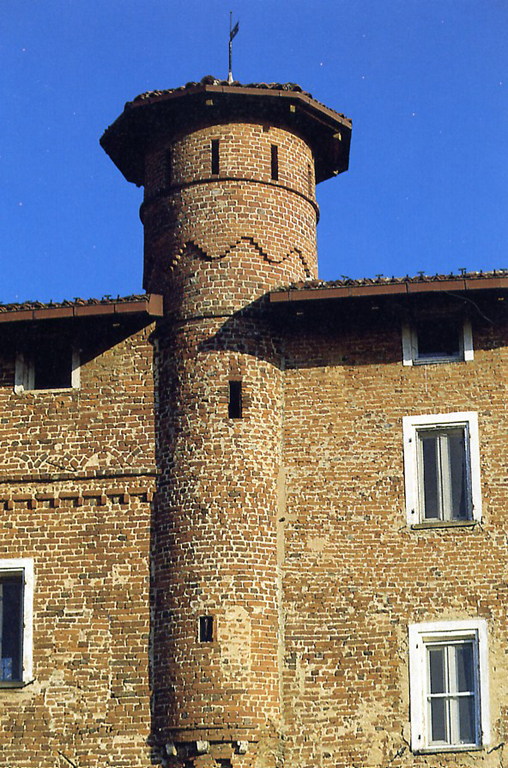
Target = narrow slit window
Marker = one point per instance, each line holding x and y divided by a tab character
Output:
275	162
235	400
206	629
168	168
309	179
215	156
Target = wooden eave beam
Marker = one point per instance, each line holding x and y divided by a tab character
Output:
151	306
383	289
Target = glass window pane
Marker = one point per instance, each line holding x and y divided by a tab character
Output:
466	709
464	661
460	506
438	729
436	668
11	628
451	692
430	476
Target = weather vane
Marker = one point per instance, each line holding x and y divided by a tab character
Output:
233	31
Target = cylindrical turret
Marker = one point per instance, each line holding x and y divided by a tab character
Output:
229	214
228	171
231	198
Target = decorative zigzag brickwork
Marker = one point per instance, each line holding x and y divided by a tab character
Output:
240	208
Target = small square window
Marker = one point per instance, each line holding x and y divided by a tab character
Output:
437	340
16	595
47	364
442	468
449	685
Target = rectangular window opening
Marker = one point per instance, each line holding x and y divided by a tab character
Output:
11	627
275	162
444	480
235	400
16	622
206	629
309	180
438	339
442	469
47	363
52	369
448	671
215	156
451	697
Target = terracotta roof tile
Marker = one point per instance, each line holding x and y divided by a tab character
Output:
382	280
76	302
211	80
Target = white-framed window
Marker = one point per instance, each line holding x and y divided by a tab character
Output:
49	366
16	621
449	685
438	339
442	468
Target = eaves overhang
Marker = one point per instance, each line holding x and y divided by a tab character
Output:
401	287
175	111
148	305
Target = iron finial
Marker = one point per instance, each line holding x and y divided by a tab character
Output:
233	31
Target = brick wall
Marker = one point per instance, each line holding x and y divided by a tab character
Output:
288	526
76	481
106	425
355	574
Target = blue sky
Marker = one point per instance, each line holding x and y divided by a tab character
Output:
425	82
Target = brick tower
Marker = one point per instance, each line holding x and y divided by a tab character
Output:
229	214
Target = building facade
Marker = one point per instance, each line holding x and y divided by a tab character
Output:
251	518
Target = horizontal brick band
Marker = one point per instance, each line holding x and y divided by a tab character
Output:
167	191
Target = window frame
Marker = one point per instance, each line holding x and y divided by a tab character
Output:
24	373
24	567
410	347
447	633
411	426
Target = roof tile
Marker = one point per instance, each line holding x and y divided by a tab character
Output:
76	302
211	80
320	285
